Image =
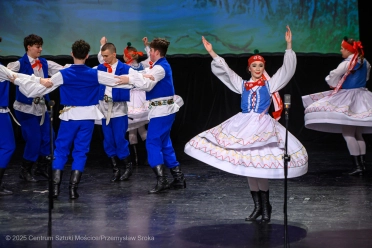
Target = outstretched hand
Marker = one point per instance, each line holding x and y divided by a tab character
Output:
103	40
13	78
123	79
208	46
288	37
46	82
145	41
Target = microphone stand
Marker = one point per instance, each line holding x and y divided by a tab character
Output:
50	174
287	158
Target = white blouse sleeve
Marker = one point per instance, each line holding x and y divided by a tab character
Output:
227	76
14	66
284	74
31	86
335	75
53	67
146	63
137	80
109	79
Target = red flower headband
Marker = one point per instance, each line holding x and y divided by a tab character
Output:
255	57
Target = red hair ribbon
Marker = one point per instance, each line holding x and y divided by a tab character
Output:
358	44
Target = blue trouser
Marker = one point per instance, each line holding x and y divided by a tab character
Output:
114	141
71	132
7	142
158	143
37	137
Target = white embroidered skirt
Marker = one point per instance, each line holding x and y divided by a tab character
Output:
251	145
138	109
328	113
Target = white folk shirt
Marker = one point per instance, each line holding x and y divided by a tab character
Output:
278	81
92	112
119	108
5	74
137	80
34	109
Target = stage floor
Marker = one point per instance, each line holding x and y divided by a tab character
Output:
325	207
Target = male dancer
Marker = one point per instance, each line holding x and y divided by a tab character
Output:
31	112
113	105
160	92
79	88
7	142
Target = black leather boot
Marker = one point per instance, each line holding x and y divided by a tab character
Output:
26	171
358	168
57	179
179	181
266	207
42	166
135	154
257	211
115	169
362	161
74	182
2	190
128	169
162	182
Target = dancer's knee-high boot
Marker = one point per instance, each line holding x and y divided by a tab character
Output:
2	190
362	161
57	179
257	211
42	166
135	154
74	182
179	181
266	206
115	169
128	169
26	171
358	168
162	182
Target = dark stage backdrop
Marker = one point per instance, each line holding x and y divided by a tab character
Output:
208	102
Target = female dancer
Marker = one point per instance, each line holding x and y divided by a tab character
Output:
137	106
346	109
251	143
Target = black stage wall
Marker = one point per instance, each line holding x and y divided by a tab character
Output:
208	102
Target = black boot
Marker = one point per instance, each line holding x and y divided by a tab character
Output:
57	179
257	211
115	169
358	168
135	154
362	161
74	182
42	166
128	169
26	171
2	190
162	182
266	207
179	181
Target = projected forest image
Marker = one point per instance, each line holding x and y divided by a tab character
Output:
232	26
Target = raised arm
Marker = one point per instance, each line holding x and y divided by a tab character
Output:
286	72
221	70
102	41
